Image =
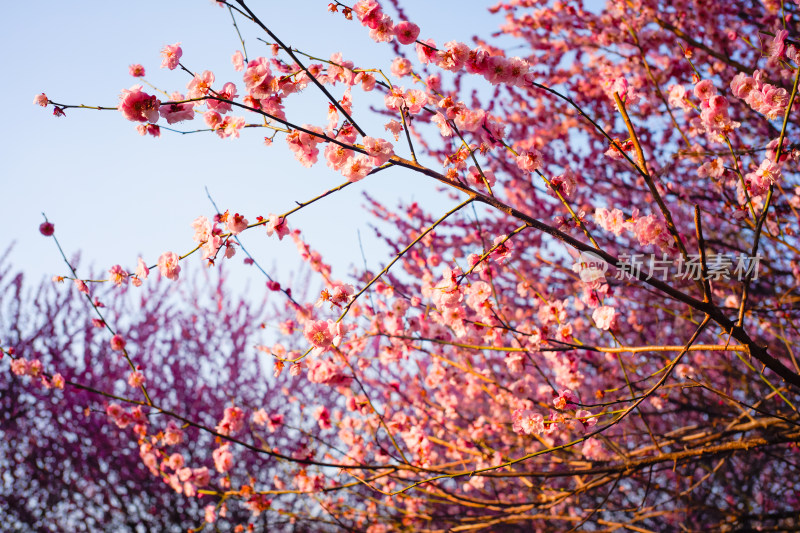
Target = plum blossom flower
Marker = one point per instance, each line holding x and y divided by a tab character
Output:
117	275
148	128
232	421
238	61
172	55
223	458
228	92
176	112
566	399
604	317
277	225
380	150
117	343
136	379
526	422
529	160
258	79
141	273
406	32
47	229
356	168
200	85
327	373
138	106
237	223
319	333
41	100
168	265
230	127
137	70
613	220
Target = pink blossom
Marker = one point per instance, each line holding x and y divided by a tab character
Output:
117	343
238	61
117	275
168	265
232	421
260	417
593	450
395	127
651	230
604	317
401	67
453	56
258	79
426	51
141	273
319	333
176	112
148	128
613	220
677	97
530	160
223	458
278	226
369	12
200	84
173	434
380	150
201	476
136	379
565	183
237	223
41	100
478	178
323	417
172	55
526	422
415	100
470	120
742	85
704	90
230	126
776	47
406	32
47	229
210	515
19	366
356	168
566	399
58	381
383	32
137	70
138	106
228	92
326	373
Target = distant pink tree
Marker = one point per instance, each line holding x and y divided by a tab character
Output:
599	334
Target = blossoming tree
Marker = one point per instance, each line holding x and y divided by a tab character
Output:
598	333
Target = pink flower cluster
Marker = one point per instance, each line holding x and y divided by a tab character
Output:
231	422
304	145
22	367
759	181
714	117
327	372
764	98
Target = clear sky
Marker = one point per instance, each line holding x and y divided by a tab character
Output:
114	195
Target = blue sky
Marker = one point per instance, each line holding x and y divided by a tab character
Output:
114	195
